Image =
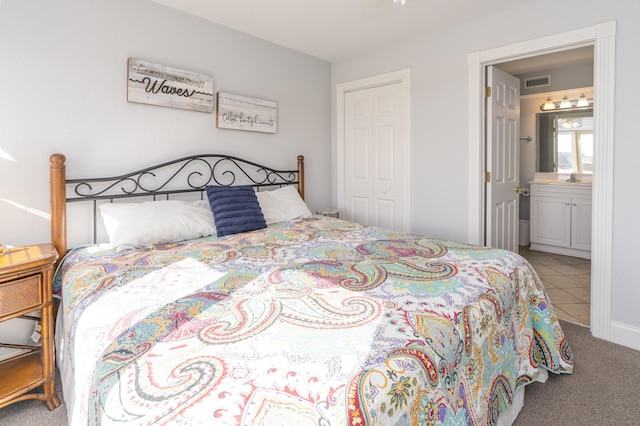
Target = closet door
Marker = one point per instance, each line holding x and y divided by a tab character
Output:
373	156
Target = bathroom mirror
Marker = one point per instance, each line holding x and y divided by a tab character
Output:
565	141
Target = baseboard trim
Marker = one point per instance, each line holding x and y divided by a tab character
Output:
625	335
584	254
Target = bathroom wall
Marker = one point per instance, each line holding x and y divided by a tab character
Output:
563	82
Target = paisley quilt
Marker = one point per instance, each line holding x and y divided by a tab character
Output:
317	321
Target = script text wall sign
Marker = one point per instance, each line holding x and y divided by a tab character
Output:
156	84
243	113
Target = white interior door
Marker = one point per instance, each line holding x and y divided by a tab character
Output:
373	156
503	159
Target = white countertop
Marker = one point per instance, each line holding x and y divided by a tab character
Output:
562	178
559	182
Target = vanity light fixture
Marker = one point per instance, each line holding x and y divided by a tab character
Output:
548	105
582	102
566	103
402	2
570	124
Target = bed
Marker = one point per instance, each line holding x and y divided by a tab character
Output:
305	319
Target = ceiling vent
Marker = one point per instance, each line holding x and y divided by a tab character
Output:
541	81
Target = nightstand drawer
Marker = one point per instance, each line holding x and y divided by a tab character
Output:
20	295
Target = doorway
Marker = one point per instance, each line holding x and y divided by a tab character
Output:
542	136
602	37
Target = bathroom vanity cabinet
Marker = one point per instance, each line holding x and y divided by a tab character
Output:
561	218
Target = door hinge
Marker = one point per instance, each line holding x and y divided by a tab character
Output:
487	92
487	177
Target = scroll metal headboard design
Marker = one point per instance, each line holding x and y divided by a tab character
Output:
184	175
187	174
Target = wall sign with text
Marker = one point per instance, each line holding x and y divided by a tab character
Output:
156	84
243	113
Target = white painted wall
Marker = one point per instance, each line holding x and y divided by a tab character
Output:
438	63
562	78
63	74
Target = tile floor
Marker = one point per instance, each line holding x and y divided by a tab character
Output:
567	281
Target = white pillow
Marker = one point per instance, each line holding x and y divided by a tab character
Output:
282	204
154	222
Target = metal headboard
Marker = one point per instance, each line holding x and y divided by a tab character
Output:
180	176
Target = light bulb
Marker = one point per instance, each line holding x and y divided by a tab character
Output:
582	102
566	103
548	105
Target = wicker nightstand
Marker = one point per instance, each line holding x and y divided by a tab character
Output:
25	286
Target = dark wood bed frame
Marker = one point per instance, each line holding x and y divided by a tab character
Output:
183	175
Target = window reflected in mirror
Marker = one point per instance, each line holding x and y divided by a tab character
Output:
566	142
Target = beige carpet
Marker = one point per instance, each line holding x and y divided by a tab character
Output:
603	391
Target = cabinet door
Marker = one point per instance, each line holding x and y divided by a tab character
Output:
581	224
551	221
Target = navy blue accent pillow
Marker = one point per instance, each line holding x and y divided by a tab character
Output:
235	209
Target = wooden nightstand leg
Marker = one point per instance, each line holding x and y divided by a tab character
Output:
53	402
49	386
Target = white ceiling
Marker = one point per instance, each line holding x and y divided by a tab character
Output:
337	29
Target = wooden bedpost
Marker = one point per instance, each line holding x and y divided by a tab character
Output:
301	175
57	175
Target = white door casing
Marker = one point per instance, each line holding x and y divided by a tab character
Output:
602	37
373	156
503	160
403	175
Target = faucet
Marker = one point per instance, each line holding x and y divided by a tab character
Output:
573	178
